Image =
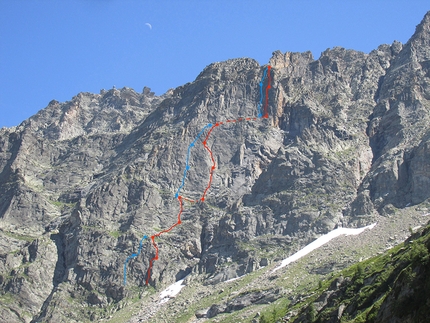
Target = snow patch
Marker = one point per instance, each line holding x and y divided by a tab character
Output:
171	291
233	279
320	242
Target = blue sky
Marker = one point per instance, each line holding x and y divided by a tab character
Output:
56	49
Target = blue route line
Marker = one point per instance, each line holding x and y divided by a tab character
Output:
187	166
133	255
259	105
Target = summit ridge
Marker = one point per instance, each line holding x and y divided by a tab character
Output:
344	143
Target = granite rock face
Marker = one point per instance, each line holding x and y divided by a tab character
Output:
82	181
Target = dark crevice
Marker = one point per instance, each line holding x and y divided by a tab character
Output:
378	91
44	308
59	274
66	257
16	142
60	266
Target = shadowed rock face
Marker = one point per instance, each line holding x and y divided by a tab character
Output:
83	181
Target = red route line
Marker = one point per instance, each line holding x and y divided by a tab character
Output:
213	167
266	104
212	158
151	261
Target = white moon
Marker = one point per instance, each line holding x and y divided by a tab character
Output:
149	25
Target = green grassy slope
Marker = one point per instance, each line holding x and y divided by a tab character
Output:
392	287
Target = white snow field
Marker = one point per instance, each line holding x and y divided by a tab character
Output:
174	289
171	291
321	241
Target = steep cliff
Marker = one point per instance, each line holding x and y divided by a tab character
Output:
345	144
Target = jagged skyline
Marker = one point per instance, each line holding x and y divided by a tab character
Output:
345	145
55	50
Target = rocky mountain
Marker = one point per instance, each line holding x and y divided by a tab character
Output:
346	143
